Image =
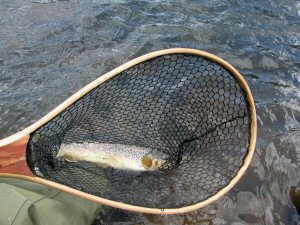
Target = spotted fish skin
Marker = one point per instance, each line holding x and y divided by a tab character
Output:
118	156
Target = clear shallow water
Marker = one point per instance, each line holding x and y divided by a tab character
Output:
49	51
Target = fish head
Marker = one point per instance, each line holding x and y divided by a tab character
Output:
154	160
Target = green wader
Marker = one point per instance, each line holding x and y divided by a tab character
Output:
27	203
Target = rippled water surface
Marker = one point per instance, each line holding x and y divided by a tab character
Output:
51	49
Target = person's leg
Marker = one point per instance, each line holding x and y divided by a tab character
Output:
27	203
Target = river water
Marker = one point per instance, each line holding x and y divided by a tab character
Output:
49	49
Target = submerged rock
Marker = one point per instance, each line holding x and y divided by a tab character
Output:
295	197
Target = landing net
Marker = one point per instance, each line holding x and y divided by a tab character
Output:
184	105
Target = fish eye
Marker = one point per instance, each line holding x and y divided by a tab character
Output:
147	161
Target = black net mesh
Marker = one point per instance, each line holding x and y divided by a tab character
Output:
186	106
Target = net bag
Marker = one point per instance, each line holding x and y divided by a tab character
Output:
190	105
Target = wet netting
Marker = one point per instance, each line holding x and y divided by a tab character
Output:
185	106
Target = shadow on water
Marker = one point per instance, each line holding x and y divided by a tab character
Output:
50	50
